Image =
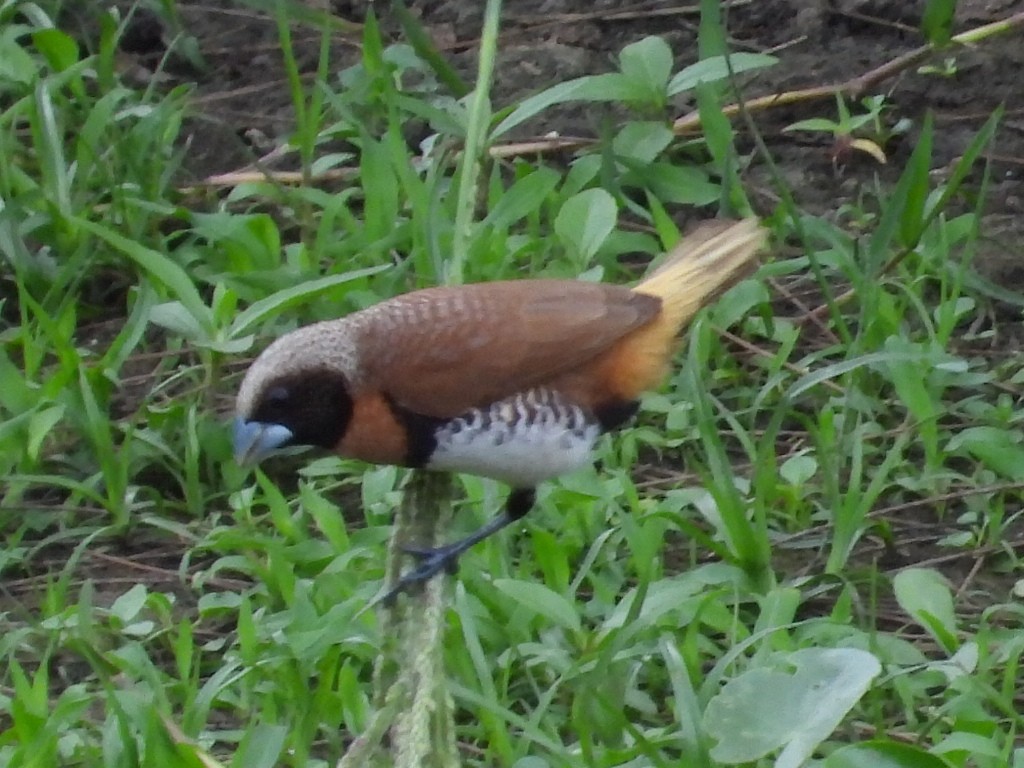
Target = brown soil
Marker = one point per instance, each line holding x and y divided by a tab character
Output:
243	107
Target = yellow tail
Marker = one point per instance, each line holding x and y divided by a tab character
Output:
705	263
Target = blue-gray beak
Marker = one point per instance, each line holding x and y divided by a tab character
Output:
254	440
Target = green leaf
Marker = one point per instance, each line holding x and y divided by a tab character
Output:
668	232
718	136
883	754
127	606
982	140
522	198
970	745
920	358
159	267
811	691
711	34
912	388
295	294
608	87
797	470
937	21
642	141
814	124
681	184
381	186
173	316
261	746
39	426
925	595
16	65
647	64
48	131
425	48
585	221
716	68
542	600
738	302
59	48
915	181
998	449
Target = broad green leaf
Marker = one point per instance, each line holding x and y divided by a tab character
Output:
682	184
261	746
380	211
16	65
668	231
647	64
883	754
969	745
127	606
996	448
522	198
539	599
531	761
642	141
663	596
607	87
48	132
39	426
811	691
715	68
901	223
738	302
925	595
585	221
59	48
229	346
173	316
797	470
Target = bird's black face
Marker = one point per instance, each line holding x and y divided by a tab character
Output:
316	407
311	408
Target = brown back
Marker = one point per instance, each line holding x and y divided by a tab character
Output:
444	350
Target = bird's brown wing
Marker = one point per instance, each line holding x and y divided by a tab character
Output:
442	351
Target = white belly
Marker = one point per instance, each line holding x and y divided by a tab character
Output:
520	441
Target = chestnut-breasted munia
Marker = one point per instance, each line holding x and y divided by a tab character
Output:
511	380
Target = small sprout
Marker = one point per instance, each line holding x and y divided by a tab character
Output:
863	132
947	68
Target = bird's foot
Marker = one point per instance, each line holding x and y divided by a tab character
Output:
430	562
434	560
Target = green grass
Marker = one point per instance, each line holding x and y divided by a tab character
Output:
783	546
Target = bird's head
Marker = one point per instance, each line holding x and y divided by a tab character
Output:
296	393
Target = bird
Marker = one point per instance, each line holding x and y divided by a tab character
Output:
510	380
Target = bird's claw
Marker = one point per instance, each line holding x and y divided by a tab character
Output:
431	561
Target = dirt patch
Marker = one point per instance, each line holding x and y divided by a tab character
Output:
242	92
243	108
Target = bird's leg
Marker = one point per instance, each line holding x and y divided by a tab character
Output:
433	560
